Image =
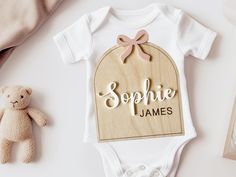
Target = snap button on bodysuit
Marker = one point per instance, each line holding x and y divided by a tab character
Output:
155	173
129	173
142	167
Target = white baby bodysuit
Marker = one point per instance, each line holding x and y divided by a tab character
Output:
173	31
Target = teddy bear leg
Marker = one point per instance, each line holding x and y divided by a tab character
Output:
29	150
5	150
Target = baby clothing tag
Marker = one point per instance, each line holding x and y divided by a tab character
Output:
137	92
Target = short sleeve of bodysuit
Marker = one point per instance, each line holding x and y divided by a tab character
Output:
74	43
193	38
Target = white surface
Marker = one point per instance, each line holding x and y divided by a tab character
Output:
59	91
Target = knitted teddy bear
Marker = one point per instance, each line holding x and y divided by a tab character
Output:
16	122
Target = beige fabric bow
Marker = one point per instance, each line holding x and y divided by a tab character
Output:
140	38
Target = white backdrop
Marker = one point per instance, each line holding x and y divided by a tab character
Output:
59	90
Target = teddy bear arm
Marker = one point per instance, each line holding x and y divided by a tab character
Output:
39	117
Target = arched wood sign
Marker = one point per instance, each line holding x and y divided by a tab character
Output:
137	93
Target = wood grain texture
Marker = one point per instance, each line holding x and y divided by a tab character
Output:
230	147
118	123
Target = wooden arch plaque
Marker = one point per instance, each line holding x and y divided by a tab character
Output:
137	98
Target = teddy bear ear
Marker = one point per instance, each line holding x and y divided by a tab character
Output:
28	90
3	89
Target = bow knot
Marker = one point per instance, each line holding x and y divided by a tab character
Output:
140	38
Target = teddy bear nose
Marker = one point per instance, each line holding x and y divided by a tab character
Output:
13	102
